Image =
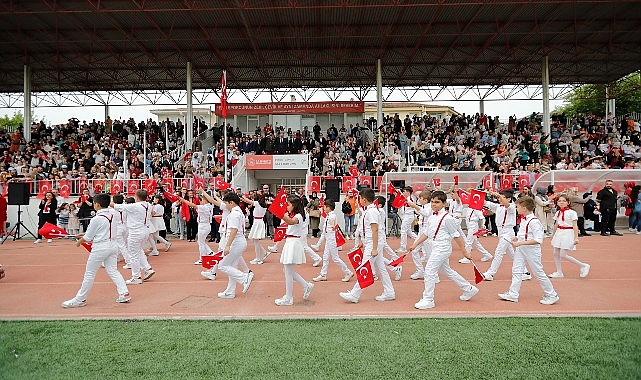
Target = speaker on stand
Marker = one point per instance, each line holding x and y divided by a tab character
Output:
18	194
332	189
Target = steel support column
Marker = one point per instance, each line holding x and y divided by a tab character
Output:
481	106
379	96
26	133
546	95
189	129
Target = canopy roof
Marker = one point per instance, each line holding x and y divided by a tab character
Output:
78	45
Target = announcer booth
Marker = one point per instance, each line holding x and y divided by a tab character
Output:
286	170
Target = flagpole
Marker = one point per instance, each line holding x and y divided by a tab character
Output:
144	152
225	151
223	110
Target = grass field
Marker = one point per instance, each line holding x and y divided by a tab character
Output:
495	348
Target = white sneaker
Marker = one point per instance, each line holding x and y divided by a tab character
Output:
154	253
317	262
555	275
424	304
167	246
488	277
632	229
347	277
584	271
347	296
465	260
256	262
226	295
208	274
272	249
398	271
385	297
549	300
401	250
126	266
417	275
487	257
38	241
320	277
526	276
509	297
284	301
148	274
308	290
638	233
248	281
468	294
73	303
123	298
198	262
134	281
266	255
49	240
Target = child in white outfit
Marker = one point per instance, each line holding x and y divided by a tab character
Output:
328	234
566	237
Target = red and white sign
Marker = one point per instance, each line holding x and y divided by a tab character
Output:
64	185
274	162
365	180
293	108
349	183
314	184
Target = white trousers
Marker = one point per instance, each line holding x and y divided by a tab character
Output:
313	255
378	265
201	237
228	265
472	240
221	245
136	257
99	255
502	248
406	230
331	251
121	241
440	261
533	259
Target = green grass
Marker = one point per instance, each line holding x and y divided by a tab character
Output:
501	348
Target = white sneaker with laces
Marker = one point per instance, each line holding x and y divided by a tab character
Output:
347	296
154	253
134	281
465	260
398	271
549	300
468	294
198	262
208	274
424	304
417	275
284	301
507	296
73	303
385	297
487	257
320	277
317	262
49	240
256	262
167	246
308	290
226	295
38	241
148	274
272	249
123	298
584	271
248	281
556	275
526	276
347	277
488	277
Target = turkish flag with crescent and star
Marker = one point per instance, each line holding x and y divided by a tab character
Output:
353	170
209	261
437	182
465	197
64	186
200	183
150	186
132	186
220	184
98	185
487	181
364	273
349	183
167	184
391	189
314	184
506	182
43	187
279	205
524	180
399	200
365	180
477	199
279	233
51	231
116	186
83	183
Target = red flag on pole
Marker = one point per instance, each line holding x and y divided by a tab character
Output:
506	182
391	189
482	231
132	186
477	199
64	185
478	276
219	183
364	273
223	95
210	261
340	239
524	180
465	196
279	205
200	183
172	197
51	231
399	200
321	206
43	187
398	261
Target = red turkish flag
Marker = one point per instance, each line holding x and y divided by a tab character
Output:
399	200
116	186
418	187
321	206
487	181
51	231
132	186
478	277
219	183
98	185
437	182
349	183
477	199
223	95
353	170
150	186
200	183
184	183
391	189
279	205
43	187
314	184
524	180
167	184
482	231
379	183
279	234
455	180
340	239
83	183
365	180
87	245
171	196
364	273
398	261
64	185
465	197
210	261
506	182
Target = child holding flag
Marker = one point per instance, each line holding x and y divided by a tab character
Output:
328	234
406	214
103	251
424	212
441	229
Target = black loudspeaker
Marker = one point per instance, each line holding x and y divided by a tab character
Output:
18	193
361	187
398	184
332	189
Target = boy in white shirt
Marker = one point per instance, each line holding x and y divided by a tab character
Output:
424	212
472	219
407	220
528	249
104	250
441	230
328	234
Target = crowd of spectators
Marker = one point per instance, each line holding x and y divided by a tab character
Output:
462	142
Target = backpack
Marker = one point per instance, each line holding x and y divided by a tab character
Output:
346	208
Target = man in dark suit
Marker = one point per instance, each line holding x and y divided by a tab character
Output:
607	198
282	144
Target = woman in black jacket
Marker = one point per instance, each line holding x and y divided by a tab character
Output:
47	213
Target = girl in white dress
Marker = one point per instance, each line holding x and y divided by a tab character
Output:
566	237
258	231
158	223
293	251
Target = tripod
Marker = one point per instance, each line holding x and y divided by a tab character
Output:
15	231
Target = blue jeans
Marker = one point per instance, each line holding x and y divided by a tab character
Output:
349	224
635	220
